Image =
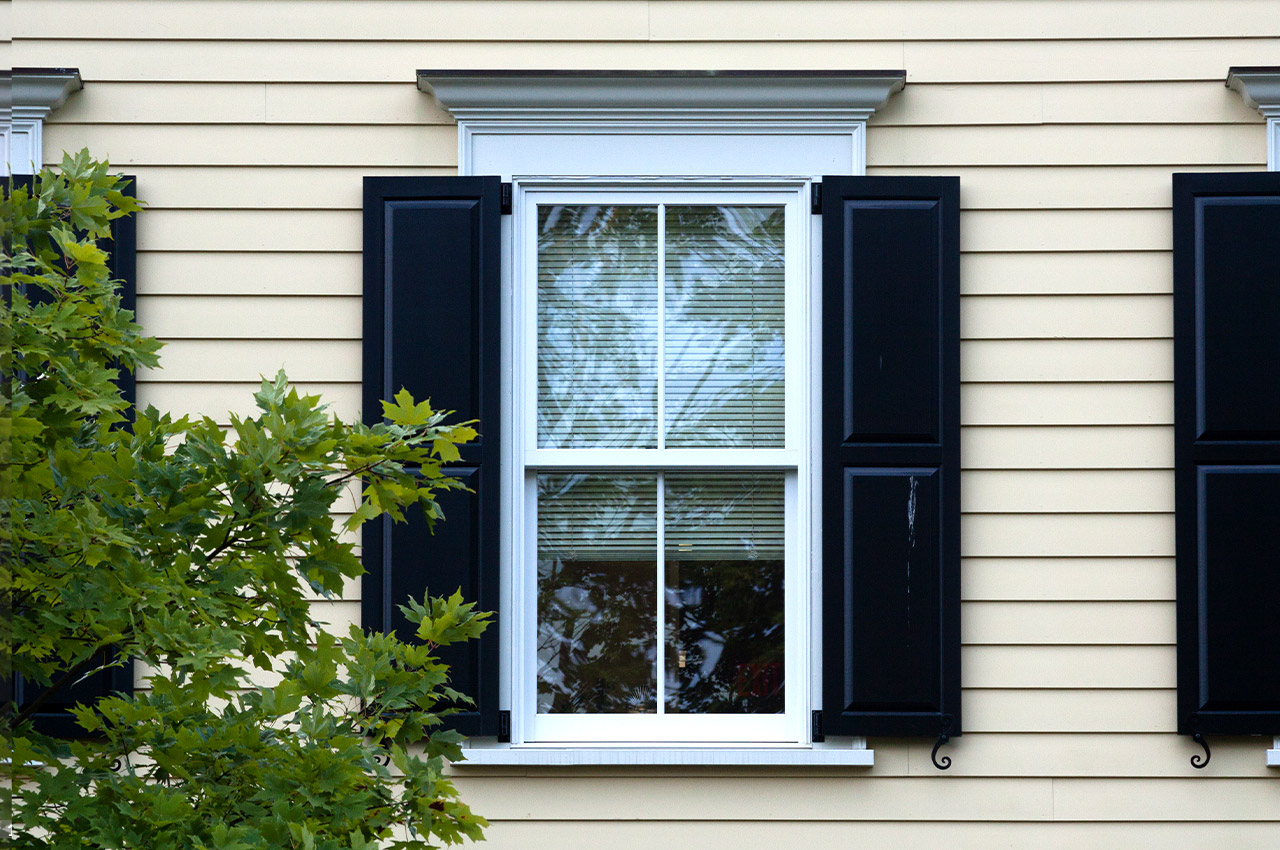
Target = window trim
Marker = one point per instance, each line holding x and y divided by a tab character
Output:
709	124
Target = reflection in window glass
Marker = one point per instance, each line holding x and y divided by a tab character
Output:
597	326
724	646
597	577
724	300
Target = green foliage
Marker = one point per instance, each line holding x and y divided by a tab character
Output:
198	552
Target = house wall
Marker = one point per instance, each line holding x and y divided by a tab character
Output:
250	125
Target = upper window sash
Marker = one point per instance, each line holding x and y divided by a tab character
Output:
790	194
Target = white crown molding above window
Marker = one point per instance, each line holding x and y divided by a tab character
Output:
27	96
765	118
1260	88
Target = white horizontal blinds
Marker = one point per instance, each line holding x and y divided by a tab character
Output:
724	300
724	565
715	516
597	326
597	593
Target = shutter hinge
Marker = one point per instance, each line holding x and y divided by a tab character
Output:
815	198
506	199
818	737
504	723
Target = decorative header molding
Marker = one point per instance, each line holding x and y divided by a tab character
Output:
740	104
1260	88
27	96
692	94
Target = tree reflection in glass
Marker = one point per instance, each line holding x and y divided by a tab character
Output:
597	577
725	561
723	316
597	327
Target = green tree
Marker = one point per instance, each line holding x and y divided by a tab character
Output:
197	552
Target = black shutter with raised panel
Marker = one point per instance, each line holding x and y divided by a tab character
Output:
431	325
891	456
54	717
1226	285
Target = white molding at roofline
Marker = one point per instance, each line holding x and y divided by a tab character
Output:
27	96
649	102
1260	88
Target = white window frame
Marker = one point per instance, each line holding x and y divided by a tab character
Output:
528	726
636	131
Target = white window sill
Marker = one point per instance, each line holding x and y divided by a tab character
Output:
573	756
1273	754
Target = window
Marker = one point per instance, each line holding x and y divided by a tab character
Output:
663	440
717	488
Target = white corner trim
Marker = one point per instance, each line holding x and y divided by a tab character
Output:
709	756
1273	754
1260	88
642	104
27	96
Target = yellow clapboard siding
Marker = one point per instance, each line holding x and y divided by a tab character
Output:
1068	667
251	103
1067	491
975	19
1148	102
217	400
1088	273
435	144
128	145
1059	447
1083	755
306	187
1081	317
745	20
1132	144
1082	61
546	796
376	20
921	104
1067	404
1088	186
195	360
395	61
919	833
1066	230
1066	360
250	230
1091	623
235	317
1185	798
1018	535
1067	579
244	273
1071	710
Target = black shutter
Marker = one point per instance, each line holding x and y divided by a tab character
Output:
431	325
1226	297
891	455
54	717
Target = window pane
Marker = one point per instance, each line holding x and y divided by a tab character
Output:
597	326
724	326
725	560
597	598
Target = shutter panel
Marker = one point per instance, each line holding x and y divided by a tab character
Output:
891	456
1226	284
431	325
55	717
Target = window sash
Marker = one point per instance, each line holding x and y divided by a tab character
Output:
792	458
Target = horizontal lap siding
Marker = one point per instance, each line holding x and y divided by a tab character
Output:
250	125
